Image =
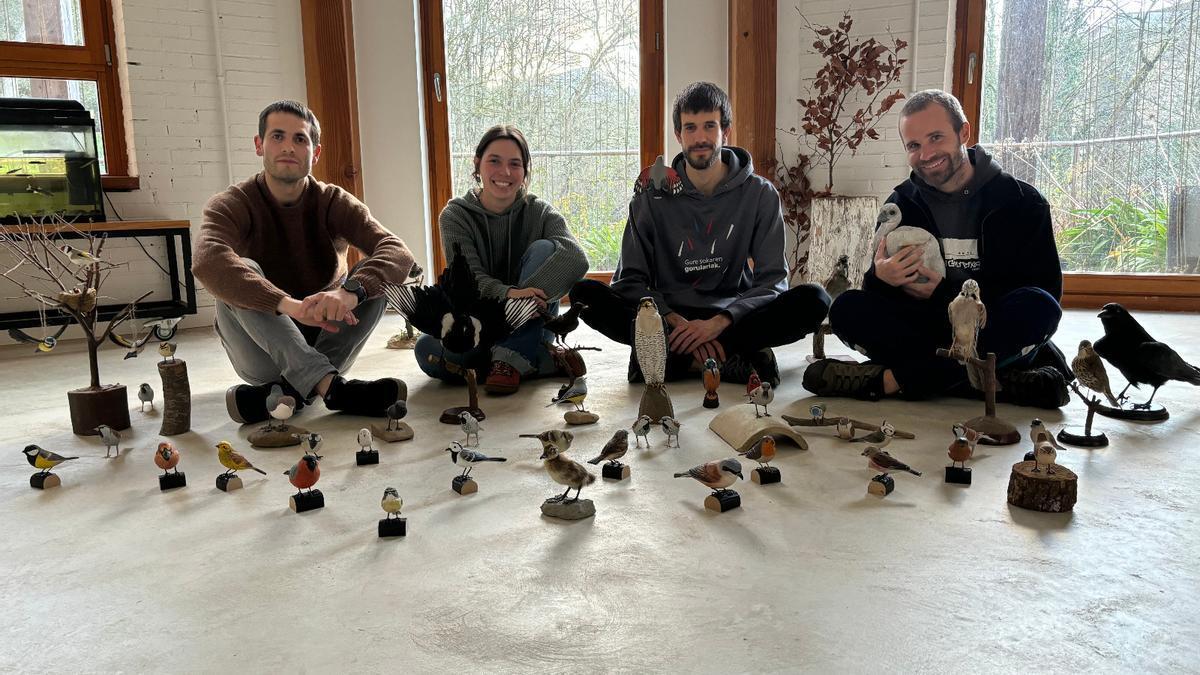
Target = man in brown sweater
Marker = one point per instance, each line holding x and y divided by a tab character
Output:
272	250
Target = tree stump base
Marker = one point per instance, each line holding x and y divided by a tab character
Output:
92	407
177	397
1042	491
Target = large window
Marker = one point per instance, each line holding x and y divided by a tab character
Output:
570	75
64	49
1097	104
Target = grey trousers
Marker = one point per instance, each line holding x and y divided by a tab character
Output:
265	347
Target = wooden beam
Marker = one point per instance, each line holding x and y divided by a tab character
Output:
753	32
652	74
1159	292
437	123
328	29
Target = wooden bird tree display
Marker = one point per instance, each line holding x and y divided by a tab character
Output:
992	430
68	278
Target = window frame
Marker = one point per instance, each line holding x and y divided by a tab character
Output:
1081	290
96	61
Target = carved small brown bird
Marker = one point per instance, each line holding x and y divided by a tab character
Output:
712	380
960	451
166	457
763	451
1091	373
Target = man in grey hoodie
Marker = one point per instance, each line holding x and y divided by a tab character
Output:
706	242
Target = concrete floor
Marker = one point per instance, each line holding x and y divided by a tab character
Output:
106	573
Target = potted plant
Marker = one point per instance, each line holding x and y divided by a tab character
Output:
848	97
65	275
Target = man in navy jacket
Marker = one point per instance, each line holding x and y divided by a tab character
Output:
992	228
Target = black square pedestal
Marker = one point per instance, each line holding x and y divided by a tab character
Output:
723	501
307	501
958	475
170	481
393	527
365	457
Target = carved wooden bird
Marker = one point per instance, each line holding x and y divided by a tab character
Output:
650	343
304	474
1140	358
839	280
166	457
712	380
564	324
717	475
960	451
614	449
763	450
882	461
658	176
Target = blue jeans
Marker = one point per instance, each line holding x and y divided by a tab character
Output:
903	335
524	350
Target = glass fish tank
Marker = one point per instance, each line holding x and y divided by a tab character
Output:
48	161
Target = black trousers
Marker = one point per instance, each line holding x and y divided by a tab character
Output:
789	317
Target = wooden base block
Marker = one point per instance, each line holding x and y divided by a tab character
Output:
92	407
450	415
464	485
765	475
615	471
170	481
307	501
714	402
1078	437
44	481
958	475
574	509
1154	413
228	482
722	501
401	431
365	457
393	527
1042	491
881	485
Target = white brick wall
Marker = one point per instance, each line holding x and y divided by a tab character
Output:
879	165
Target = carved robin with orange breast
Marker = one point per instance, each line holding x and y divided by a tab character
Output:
305	473
166	457
960	450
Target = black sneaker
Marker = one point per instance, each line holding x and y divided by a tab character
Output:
1042	387
737	367
368	398
247	403
830	377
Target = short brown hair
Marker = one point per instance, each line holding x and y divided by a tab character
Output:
923	99
295	108
498	133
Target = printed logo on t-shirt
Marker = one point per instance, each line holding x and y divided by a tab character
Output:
961	253
698	249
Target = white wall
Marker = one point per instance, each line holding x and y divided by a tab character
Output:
391	120
697	48
880	165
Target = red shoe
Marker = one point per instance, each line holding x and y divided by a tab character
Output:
502	379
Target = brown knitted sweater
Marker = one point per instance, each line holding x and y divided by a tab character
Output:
301	248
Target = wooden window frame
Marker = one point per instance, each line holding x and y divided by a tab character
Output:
96	61
1086	290
652	103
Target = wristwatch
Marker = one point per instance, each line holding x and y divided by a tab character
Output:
352	286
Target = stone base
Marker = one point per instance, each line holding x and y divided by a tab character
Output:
576	509
366	457
881	485
228	482
722	501
44	481
400	431
393	527
576	417
282	436
615	471
958	475
464	485
765	475
307	501
170	481
1079	437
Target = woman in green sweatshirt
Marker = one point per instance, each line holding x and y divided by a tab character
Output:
518	246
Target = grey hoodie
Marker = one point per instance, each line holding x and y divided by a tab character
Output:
690	251
493	244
